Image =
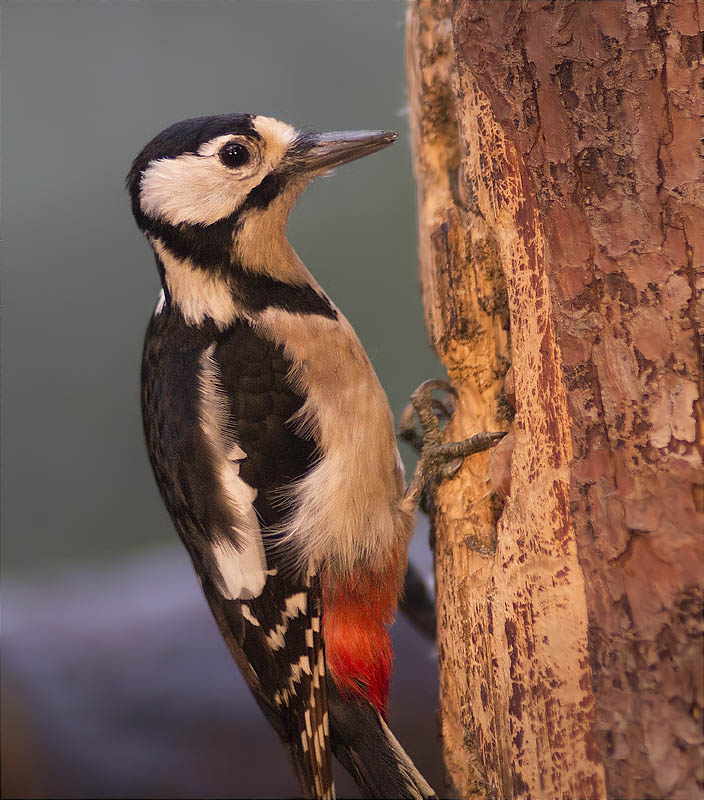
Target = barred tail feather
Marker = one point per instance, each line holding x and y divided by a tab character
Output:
292	695
316	783
309	744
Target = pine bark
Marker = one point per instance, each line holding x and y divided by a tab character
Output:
558	156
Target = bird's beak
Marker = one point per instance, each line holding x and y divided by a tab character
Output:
317	152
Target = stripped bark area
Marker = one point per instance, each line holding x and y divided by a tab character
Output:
559	165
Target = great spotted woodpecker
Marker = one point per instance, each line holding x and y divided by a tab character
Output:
272	441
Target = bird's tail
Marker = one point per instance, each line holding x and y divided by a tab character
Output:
313	773
295	700
366	748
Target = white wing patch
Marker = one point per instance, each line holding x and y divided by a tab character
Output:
240	571
242	567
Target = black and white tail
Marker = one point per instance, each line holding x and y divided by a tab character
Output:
276	642
368	750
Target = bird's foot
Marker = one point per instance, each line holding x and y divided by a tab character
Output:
438	459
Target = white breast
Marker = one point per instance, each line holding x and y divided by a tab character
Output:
347	509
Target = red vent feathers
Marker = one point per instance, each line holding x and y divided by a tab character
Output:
356	616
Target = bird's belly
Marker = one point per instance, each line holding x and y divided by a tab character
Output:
347	510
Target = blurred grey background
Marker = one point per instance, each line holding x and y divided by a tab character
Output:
84	86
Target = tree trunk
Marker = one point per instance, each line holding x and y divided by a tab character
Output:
561	215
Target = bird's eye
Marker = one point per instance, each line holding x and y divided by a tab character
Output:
234	155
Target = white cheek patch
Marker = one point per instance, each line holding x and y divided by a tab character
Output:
197	188
191	189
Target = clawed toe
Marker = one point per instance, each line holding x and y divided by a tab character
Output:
437	459
429	411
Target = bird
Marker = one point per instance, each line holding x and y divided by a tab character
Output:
272	441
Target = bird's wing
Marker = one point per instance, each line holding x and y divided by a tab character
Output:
288	683
216	408
276	630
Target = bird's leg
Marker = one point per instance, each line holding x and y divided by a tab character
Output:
437	458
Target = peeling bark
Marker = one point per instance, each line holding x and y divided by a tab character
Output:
561	215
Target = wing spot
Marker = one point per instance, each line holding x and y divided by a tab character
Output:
247	614
295	604
297	669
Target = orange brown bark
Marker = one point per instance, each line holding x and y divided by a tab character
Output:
561	230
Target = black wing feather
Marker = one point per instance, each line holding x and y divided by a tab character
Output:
254	378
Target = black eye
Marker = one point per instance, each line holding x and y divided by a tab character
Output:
234	155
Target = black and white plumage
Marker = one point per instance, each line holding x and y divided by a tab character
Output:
272	442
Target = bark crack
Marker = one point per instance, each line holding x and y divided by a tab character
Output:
529	68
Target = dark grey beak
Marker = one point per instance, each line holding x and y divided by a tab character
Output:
317	152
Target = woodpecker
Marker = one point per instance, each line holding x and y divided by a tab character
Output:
272	441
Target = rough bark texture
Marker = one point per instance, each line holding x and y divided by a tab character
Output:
561	233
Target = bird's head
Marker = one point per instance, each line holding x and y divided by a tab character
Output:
206	179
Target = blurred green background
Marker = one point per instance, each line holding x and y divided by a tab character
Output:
84	86
115	680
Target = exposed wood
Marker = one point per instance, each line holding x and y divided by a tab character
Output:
559	169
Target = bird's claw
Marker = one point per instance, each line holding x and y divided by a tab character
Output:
427	411
437	458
